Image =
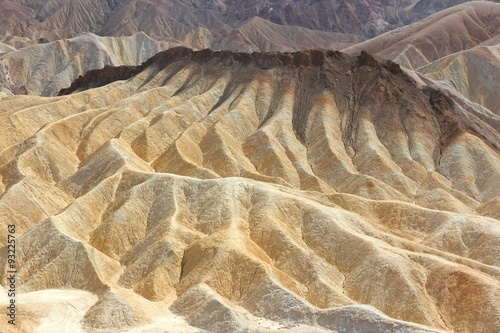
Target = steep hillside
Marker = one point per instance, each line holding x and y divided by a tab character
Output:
254	192
44	69
458	47
449	31
473	72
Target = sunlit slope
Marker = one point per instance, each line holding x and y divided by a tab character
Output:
44	69
473	73
231	188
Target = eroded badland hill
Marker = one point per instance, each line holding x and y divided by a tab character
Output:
253	193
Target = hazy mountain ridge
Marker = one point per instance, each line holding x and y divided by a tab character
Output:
176	18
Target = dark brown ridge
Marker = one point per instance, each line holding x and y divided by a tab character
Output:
358	83
264	60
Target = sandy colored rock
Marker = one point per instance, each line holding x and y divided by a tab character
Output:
472	73
44	69
273	192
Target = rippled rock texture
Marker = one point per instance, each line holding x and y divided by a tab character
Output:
308	191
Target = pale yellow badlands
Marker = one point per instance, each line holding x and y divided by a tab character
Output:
307	192
45	68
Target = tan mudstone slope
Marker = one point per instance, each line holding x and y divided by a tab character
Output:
474	73
45	68
305	192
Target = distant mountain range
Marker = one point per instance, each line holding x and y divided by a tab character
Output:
206	24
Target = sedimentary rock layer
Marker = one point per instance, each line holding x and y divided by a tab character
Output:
449	31
473	73
45	68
